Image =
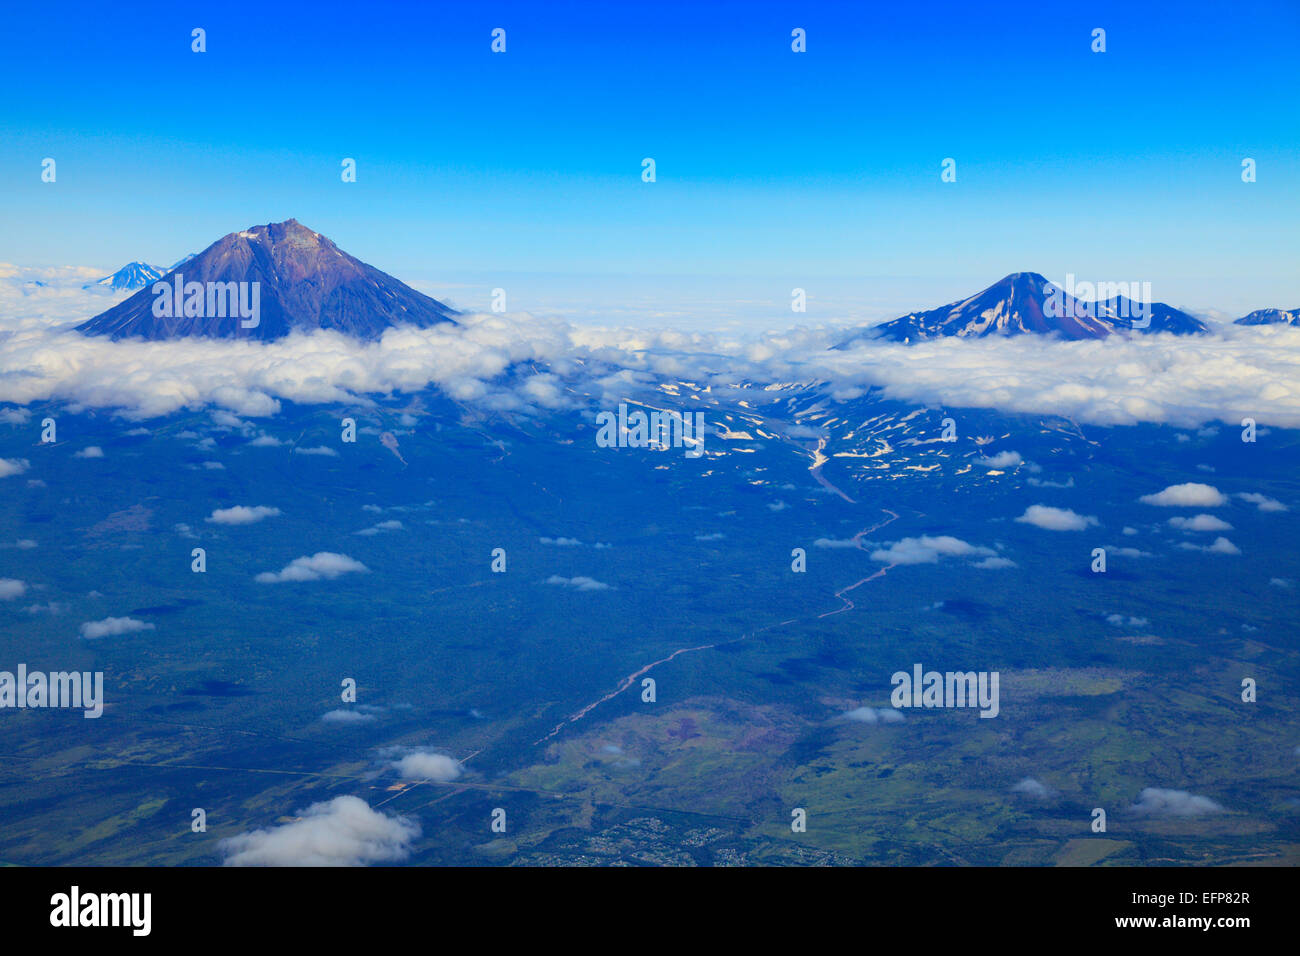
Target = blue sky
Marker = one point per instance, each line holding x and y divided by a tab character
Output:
774	169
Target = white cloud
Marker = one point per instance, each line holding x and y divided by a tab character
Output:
427	765
1033	788
1262	502
579	583
11	588
92	451
1003	459
1190	494
1221	545
346	716
874	715
1055	519
562	542
322	564
1200	523
835	543
1176	803
242	514
13	466
1119	620
323	450
392	525
1181	380
112	627
342	832
994	563
927	550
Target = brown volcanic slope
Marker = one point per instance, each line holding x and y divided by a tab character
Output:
307	283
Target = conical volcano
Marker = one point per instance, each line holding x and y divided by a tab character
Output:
293	278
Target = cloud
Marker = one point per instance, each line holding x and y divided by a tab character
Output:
390	525
562	542
13	466
1221	545
112	627
874	715
1175	803
344	831
11	588
1003	459
1033	788
1263	502
242	514
346	716
580	583
1055	519
1119	620
92	451
324	450
1200	523
927	550
1191	494
994	563
835	543
322	564
715	536
1181	380
1283	583
427	765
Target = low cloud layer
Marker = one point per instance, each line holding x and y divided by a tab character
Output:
1186	381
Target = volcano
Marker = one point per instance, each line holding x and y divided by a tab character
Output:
1026	303
303	282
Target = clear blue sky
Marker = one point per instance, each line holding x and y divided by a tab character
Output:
782	167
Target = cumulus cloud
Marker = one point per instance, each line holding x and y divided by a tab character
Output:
1035	789
1003	459
874	715
344	831
1156	801
11	588
112	627
1221	545
91	451
322	564
242	514
928	550
995	563
13	466
427	765
1200	523
1055	519
1190	494
346	716
579	583
1262	502
562	542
